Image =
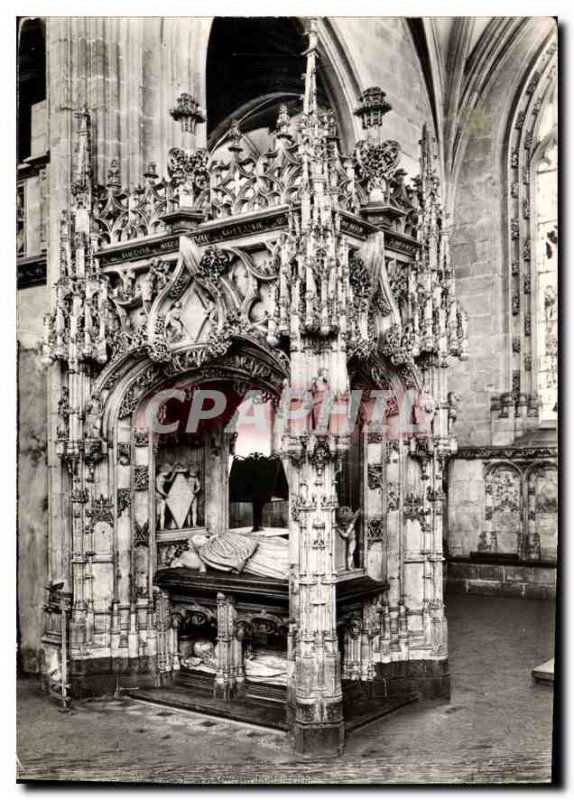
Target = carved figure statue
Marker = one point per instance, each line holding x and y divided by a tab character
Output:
148	290
260	664
93	418
354	628
424	411
452	400
241	280
153	282
234	551
203	658
128	279
265	666
162	479
398	188
320	387
189	557
174	327
195	486
346	520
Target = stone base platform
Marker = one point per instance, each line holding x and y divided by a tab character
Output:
357	711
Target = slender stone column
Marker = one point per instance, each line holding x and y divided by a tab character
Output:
315	695
224	685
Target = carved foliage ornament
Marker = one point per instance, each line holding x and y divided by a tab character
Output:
141	478
100	511
124	454
214	263
376	163
373	107
188	167
124	500
393	497
188	112
504	490
375	476
414	507
375	529
141	534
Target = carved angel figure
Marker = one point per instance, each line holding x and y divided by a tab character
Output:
128	281
346	520
174	327
452	401
153	282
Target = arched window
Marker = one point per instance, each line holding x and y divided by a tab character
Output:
545	272
532	241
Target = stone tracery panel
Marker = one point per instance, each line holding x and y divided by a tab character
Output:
503	530
542	494
521	511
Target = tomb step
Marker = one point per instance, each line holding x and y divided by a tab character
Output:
196	680
266	691
357	714
258	691
258	711
353	691
254	712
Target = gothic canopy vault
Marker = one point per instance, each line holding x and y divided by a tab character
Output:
299	266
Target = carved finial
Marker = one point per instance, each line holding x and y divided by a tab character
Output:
310	97
234	135
151	172
114	174
373	108
83	115
82	185
283	123
188	112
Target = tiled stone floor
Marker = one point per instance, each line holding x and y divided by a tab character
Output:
496	728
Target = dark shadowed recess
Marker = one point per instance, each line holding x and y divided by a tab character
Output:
253	65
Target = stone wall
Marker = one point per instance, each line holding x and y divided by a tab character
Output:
479	241
508	580
502	526
129	71
480	255
382	53
32	504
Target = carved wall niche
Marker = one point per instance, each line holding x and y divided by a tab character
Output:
542	493
521	511
503	530
141	570
102	541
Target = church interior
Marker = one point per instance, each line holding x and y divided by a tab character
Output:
288	379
